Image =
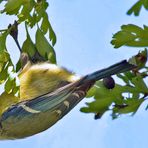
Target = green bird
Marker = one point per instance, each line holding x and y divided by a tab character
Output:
47	93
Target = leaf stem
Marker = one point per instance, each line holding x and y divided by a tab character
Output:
18	45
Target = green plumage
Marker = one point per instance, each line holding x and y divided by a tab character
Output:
44	100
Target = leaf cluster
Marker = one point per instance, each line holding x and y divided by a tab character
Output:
135	9
122	99
125	98
31	13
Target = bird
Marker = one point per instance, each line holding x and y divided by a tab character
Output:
47	93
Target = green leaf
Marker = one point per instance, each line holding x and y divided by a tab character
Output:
102	91
44	47
52	35
98	105
129	75
4	74
91	92
140	84
1	66
145	4
13	6
18	65
45	26
9	86
133	28
116	99
12	83
122	38
133	105
124	78
4	56
25	14
3	37
41	9
28	45
131	35
135	8
103	98
16	91
11	73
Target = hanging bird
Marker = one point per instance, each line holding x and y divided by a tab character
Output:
47	93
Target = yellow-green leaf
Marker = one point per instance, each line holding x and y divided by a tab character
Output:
12	6
28	45
44	47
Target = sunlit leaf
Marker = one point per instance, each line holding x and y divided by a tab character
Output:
4	56
9	86
91	92
41	9
44	47
135	8
13	6
99	105
140	84
45	26
132	106
124	78
12	82
25	14
28	45
3	37
131	35
4	74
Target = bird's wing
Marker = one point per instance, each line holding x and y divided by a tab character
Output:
33	116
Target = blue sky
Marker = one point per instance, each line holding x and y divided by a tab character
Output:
84	30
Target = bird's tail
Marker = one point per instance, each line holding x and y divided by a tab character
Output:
120	67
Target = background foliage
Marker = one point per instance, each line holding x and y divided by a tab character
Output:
108	95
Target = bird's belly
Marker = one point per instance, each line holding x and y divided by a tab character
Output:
20	121
27	124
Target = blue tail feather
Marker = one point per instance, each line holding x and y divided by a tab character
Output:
120	67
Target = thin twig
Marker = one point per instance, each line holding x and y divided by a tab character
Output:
13	29
18	45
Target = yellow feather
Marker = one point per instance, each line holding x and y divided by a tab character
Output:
36	80
6	100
